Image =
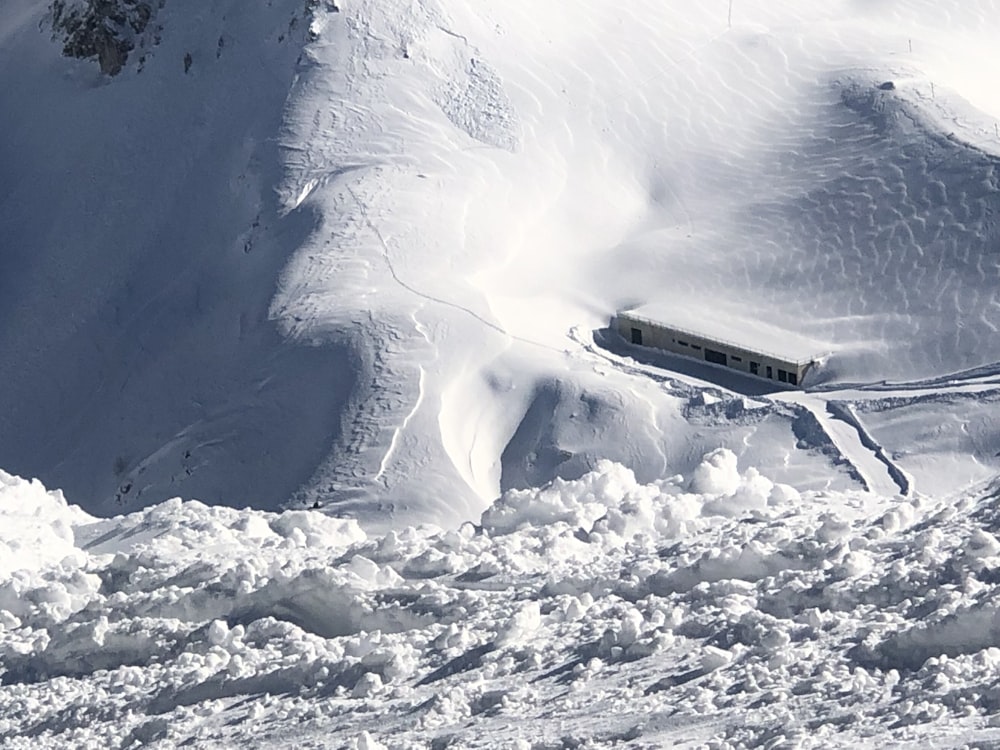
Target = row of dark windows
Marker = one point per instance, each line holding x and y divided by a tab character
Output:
783	375
720	358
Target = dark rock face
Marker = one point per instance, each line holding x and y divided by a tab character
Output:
103	29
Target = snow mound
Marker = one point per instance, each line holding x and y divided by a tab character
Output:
37	529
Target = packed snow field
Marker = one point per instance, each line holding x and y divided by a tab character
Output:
717	610
352	263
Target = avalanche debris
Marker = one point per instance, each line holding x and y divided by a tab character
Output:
703	612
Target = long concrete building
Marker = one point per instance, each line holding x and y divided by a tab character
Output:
751	347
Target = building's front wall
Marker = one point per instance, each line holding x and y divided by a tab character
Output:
689	345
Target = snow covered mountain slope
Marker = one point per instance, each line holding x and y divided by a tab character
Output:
140	246
363	254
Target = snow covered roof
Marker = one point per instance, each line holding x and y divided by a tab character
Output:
749	333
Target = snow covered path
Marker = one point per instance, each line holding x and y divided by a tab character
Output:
846	411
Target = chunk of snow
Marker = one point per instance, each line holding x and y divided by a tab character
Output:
713	658
717	474
367	686
525	621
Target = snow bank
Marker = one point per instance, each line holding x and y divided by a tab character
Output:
37	529
604	599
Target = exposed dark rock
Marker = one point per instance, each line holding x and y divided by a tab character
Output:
109	30
105	30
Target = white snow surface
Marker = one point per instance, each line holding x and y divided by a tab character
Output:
718	610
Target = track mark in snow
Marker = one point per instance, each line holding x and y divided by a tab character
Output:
398	432
392	271
386	256
449	32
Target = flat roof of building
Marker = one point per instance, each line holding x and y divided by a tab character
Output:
747	333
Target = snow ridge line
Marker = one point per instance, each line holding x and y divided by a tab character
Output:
408	287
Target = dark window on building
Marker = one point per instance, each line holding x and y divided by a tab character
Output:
770	373
735	358
755	368
782	375
695	346
637	336
682	343
793	378
718	358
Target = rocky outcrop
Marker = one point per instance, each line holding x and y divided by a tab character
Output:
107	30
